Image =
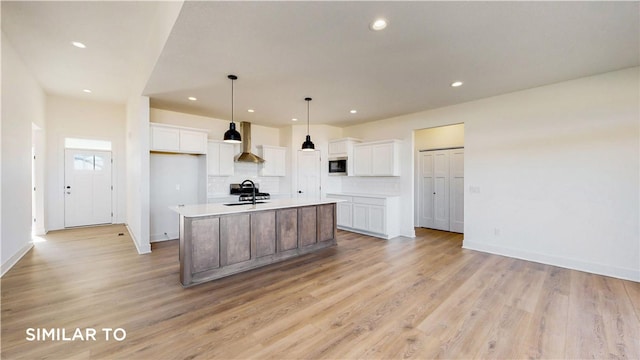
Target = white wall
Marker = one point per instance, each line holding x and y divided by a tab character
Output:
137	185
440	137
556	169
77	118
175	179
137	126
23	103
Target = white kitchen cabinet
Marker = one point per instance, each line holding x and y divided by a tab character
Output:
375	215
274	160
345	214
379	158
220	158
193	142
164	139
342	147
360	216
169	138
362	159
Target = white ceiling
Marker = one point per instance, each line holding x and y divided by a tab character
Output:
283	52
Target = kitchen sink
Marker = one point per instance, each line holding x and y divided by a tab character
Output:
243	203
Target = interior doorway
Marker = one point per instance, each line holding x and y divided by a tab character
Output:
439	182
37	180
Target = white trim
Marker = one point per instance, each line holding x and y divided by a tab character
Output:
15	258
569	263
146	249
163	237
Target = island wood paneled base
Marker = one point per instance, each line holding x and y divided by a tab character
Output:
215	246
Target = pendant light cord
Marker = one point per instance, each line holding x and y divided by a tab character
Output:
231	100
307	117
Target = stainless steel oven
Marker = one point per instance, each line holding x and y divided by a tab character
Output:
338	166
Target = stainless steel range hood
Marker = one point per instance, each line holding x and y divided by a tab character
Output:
246	155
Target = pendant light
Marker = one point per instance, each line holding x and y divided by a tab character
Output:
307	145
232	135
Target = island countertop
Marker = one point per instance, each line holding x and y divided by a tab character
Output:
198	210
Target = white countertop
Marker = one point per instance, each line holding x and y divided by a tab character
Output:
197	210
379	196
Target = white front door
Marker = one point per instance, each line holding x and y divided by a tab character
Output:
309	174
87	189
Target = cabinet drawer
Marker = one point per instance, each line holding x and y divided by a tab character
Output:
369	201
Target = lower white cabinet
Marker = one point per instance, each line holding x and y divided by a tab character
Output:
345	214
368	214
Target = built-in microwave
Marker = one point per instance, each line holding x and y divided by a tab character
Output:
338	166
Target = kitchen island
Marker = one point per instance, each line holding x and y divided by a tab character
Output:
218	240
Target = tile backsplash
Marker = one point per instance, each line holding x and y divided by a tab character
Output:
219	185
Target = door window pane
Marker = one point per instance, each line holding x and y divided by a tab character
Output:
98	163
83	162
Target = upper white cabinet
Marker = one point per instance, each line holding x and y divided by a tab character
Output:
220	158
379	158
169	138
274	160
342	147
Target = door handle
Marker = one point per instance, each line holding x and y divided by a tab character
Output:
68	187
299	191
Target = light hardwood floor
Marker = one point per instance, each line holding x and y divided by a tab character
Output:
366	298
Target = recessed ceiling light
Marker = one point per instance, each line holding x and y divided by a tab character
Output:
456	84
251	110
294	119
353	111
78	44
192	98
88	91
378	24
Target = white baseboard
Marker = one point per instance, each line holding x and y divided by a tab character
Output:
142	249
574	264
409	234
15	258
163	237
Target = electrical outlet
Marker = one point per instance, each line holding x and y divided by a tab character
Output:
496	232
474	189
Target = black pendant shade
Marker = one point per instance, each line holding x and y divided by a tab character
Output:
232	135
307	145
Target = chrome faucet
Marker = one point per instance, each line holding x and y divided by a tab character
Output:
253	190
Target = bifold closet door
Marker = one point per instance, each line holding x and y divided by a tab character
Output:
456	190
434	194
441	190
